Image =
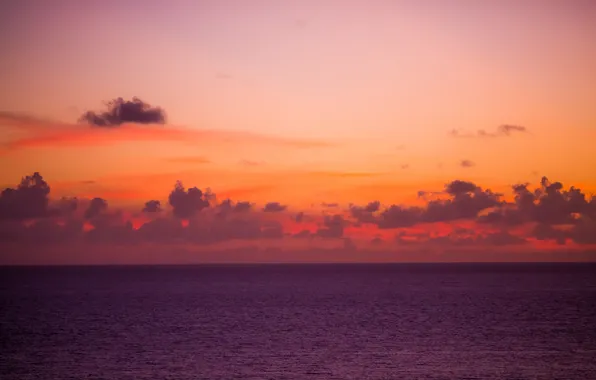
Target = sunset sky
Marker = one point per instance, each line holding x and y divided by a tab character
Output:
318	107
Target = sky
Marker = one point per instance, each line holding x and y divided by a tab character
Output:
347	127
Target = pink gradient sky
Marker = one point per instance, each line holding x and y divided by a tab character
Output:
300	102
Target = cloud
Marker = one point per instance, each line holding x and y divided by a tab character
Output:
274	207
503	130
467	200
398	216
120	111
249	163
221	75
364	214
458	187
501	238
28	200
329	204
549	213
466	164
152	206
242	207
96	207
333	227
186	203
41	133
506	129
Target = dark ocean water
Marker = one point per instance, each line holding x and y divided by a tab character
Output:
440	321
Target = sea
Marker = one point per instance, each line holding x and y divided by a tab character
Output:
319	321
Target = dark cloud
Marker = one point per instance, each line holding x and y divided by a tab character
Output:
550	212
466	201
96	207
161	230
28	200
330	205
544	231
242	207
501	238
186	203
67	206
466	164
227	207
333	227
459	187
398	216
274	207
550	204
120	111
365	214
272	230
152	206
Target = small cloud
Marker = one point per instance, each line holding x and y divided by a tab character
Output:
503	130
120	111
274	207
405	166
250	163
506	129
400	147
466	164
152	206
88	182
221	75
330	205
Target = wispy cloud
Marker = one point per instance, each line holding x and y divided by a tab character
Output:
503	130
188	160
466	163
46	133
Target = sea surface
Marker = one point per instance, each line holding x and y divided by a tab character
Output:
382	321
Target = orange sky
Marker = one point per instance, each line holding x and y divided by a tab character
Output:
300	102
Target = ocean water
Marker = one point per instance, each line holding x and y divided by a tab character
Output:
408	321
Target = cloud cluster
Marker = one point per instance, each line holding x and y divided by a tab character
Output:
28	200
120	111
186	203
549	212
559	214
